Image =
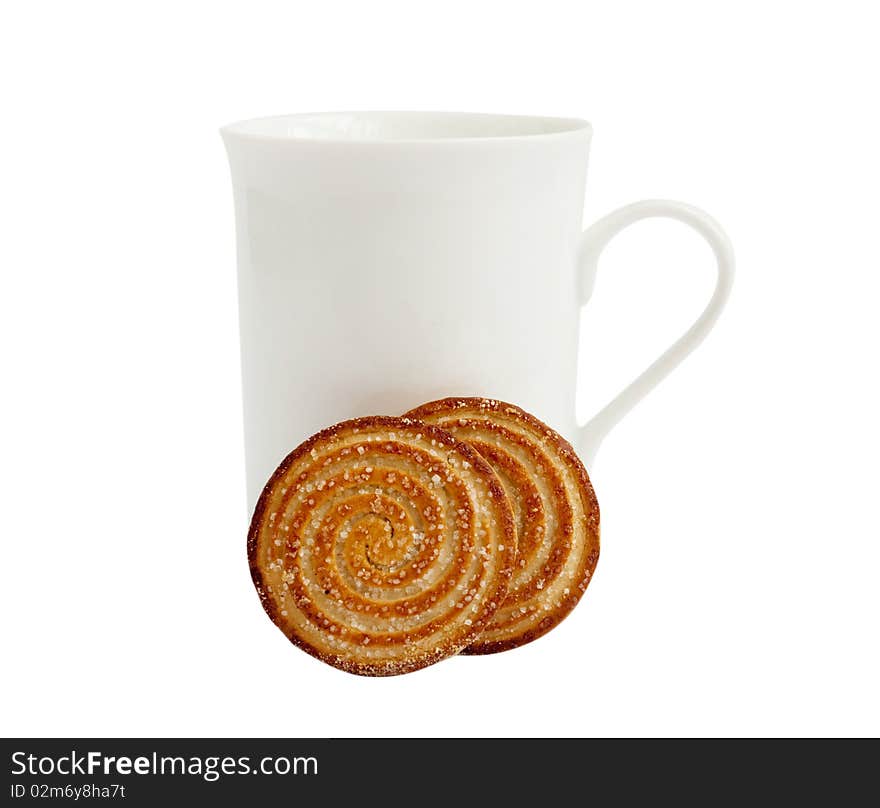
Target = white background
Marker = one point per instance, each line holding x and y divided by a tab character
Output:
737	593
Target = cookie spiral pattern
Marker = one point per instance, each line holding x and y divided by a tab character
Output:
382	545
555	512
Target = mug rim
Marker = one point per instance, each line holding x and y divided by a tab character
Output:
376	127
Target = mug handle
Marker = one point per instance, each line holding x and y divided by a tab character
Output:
593	240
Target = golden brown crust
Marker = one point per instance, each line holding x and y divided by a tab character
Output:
555	508
382	545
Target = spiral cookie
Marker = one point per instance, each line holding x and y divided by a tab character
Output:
555	511
382	545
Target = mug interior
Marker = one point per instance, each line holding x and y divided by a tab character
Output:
402	126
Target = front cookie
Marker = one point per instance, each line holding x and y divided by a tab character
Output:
382	545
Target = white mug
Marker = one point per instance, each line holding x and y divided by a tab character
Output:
389	258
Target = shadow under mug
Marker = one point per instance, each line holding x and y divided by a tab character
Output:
389	258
